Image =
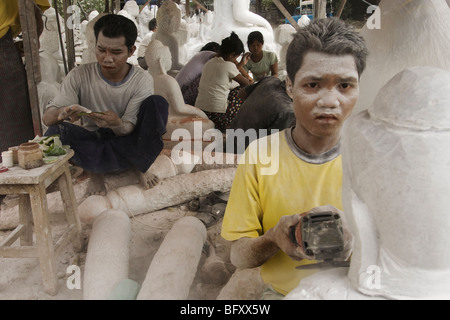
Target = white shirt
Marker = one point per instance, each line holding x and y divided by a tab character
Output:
144	44
215	85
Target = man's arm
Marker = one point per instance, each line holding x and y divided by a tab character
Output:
108	119
253	252
53	114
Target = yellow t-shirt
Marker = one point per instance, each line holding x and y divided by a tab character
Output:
9	15
258	200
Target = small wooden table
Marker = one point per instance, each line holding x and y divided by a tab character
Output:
31	186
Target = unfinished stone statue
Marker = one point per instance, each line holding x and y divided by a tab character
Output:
183	36
49	39
92	15
50	83
181	115
235	15
405	34
283	36
131	11
89	52
168	19
143	19
396	187
206	25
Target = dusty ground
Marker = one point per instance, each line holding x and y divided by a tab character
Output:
21	278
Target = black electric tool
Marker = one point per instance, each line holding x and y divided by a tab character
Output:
321	237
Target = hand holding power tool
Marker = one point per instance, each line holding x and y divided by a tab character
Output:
321	236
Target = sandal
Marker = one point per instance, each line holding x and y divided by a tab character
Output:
210	199
210	208
210	214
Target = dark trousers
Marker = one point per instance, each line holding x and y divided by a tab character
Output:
102	151
16	123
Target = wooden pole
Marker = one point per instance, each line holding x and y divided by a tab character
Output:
188	8
320	9
32	61
70	42
142	8
286	14
61	44
201	6
341	8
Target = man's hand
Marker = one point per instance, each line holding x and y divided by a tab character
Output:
71	113
107	119
348	237
281	236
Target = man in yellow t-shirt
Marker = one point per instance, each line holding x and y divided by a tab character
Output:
324	64
16	124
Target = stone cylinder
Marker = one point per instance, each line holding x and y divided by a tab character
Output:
108	254
174	266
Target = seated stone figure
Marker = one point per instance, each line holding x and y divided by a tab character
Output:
181	115
235	16
396	195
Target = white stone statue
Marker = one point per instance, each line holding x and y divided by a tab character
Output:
235	15
283	36
168	19
131	11
303	21
50	83
49	39
89	52
412	33
92	15
183	35
193	25
50	60
396	187
143	19
181	115
206	27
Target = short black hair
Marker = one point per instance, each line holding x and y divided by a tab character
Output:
255	36
211	46
232	44
331	36
152	24
115	26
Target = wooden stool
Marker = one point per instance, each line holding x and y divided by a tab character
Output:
31	186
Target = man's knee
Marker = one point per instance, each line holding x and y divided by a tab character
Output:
156	104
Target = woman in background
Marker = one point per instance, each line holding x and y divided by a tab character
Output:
215	96
260	63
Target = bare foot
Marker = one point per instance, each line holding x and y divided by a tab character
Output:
96	185
148	180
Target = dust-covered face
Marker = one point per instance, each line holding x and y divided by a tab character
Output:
112	55
324	92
